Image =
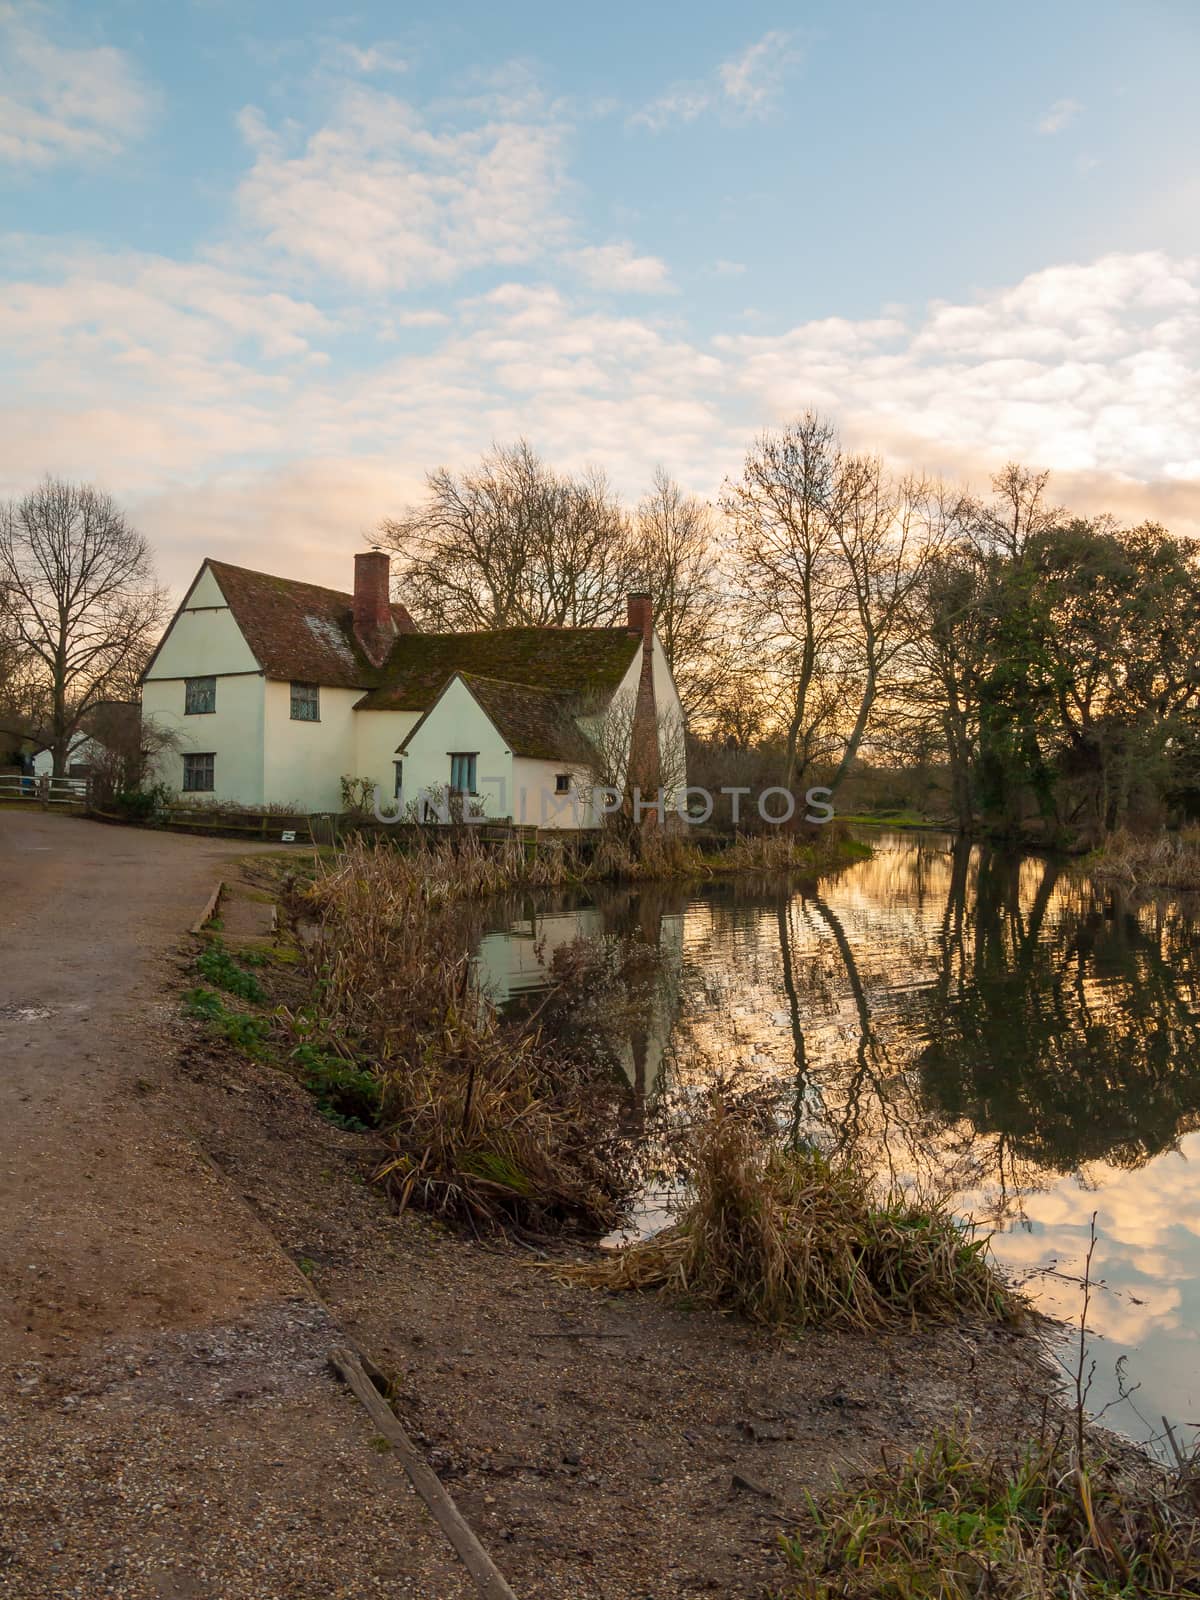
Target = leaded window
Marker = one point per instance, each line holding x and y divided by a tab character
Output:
198	775
306	702
199	696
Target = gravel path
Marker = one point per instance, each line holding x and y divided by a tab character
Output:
167	1425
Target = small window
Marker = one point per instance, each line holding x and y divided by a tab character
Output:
562	783
199	696
462	773
306	702
198	773
398	787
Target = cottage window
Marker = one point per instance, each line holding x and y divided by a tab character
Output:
562	783
198	773
462	772
199	696
398	788
306	702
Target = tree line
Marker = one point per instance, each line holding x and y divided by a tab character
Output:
1039	666
824	613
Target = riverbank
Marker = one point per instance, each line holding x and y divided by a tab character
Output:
602	1444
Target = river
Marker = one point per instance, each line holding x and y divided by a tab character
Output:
999	1026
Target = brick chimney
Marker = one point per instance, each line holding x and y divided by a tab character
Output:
374	627
641	617
645	768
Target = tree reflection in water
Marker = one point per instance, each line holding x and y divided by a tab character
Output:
1000	1027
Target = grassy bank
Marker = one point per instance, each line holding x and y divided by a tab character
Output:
1033	1523
1159	860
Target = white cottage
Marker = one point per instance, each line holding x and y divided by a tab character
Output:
276	690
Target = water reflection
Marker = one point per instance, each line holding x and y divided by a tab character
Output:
998	1025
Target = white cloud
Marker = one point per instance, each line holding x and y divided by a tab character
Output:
63	103
381	57
746	86
379	199
227	409
1060	115
684	102
616	268
728	269
751	82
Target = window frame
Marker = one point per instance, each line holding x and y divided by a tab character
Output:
562	783
472	757
189	684
305	688
193	756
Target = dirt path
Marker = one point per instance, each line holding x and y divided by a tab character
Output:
168	1426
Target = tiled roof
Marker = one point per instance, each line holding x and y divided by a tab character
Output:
578	663
533	722
300	631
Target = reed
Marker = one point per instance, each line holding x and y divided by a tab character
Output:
794	1238
1161	860
482	1118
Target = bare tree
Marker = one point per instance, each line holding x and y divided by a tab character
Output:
888	533
1017	511
511	543
785	513
82	600
617	760
680	561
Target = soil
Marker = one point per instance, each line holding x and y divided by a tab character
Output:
191	1239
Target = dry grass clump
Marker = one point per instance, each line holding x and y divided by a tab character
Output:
483	1120
950	1523
795	1238
1161	860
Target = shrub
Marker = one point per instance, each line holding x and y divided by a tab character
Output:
142	805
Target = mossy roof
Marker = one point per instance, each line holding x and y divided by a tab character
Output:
580	664
538	723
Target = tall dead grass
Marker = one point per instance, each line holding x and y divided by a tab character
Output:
481	1118
794	1238
462	864
1162	860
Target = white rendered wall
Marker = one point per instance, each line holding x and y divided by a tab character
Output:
304	762
536	802
458	724
233	733
378	736
204	641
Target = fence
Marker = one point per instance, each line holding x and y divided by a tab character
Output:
60	793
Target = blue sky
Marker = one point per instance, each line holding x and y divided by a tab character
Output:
264	264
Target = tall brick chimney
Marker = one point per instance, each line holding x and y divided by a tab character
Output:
645	767
374	627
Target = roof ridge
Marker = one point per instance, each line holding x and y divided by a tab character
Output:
510	683
277	577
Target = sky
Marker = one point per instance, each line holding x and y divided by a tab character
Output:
264	265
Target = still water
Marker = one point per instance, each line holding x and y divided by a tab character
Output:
999	1025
